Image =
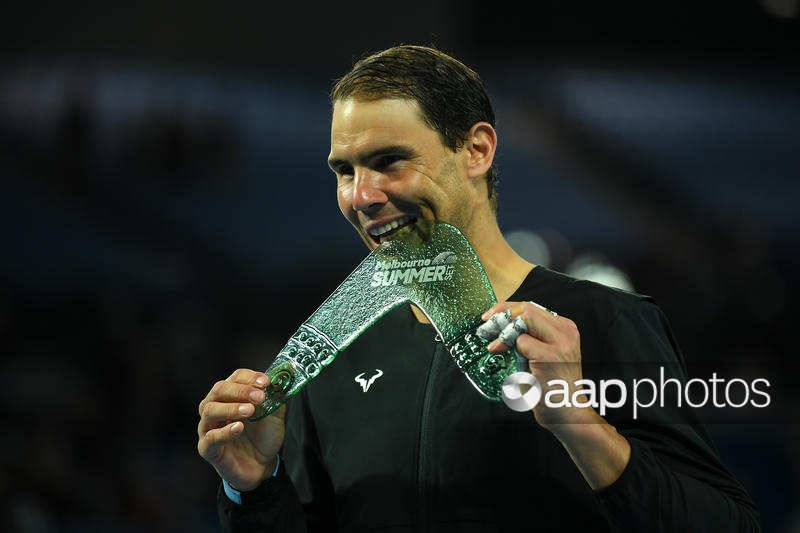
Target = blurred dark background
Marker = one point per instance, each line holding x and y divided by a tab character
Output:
167	215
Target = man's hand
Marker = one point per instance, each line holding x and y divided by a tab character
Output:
552	347
243	453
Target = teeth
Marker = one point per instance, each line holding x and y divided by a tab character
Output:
389	226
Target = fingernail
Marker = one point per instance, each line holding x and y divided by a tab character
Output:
257	396
244	409
261	381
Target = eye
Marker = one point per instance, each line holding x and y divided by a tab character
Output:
386	161
344	172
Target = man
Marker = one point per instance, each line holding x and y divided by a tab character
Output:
413	138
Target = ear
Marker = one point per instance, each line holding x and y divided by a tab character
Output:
481	145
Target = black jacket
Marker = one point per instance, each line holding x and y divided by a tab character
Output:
420	449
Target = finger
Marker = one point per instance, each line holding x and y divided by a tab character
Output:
212	441
497	318
499	307
535	350
246	376
512	331
509	336
530	308
231	389
494	324
216	414
543	308
542	323
230	392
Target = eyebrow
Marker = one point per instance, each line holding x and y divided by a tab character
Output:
383	150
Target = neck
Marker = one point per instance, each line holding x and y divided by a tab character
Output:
505	268
503	265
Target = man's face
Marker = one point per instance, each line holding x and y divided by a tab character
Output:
392	169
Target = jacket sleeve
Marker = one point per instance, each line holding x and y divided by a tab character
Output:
675	480
273	506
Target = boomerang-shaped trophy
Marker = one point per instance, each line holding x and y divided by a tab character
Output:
430	265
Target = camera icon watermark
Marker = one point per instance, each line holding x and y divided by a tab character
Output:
513	396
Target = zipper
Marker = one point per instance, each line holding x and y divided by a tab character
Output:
427	406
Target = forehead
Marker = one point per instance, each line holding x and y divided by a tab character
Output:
358	122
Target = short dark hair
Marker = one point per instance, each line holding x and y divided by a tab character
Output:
451	95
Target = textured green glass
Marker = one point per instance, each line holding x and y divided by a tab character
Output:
430	265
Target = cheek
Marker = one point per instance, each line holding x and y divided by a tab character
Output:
344	199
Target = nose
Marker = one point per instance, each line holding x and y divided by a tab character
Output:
368	193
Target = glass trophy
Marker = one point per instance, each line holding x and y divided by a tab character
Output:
430	265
